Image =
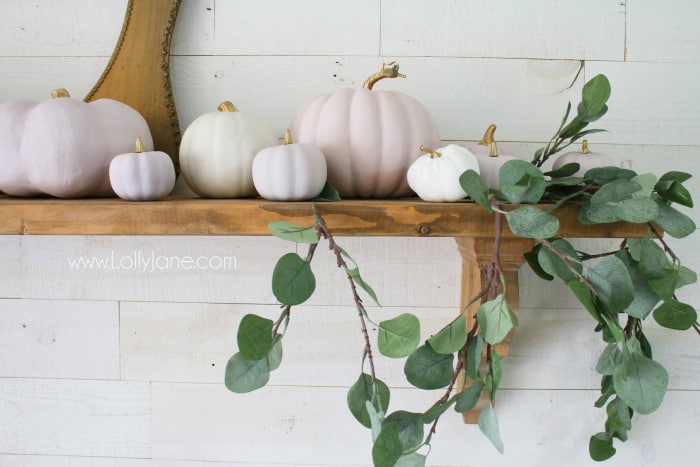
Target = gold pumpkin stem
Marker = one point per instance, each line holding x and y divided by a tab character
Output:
584	147
60	92
433	153
227	106
287	137
389	70
139	145
494	150
488	135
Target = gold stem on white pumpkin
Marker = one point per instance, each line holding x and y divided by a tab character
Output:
139	145
60	92
488	136
433	153
389	70
584	147
494	150
227	106
287	137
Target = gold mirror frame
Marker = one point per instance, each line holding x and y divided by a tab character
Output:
138	73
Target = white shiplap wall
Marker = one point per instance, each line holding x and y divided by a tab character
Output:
121	368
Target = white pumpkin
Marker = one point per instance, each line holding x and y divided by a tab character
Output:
369	137
290	172
217	152
142	175
483	147
435	176
490	164
63	147
585	158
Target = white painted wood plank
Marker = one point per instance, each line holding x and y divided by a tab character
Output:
663	31
59	339
60	28
507	29
305	425
152	268
23	460
526	98
195	27
305	27
35	77
651	103
10	263
70	417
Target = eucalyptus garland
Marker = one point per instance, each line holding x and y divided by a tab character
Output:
620	289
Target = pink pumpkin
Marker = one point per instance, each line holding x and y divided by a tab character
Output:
490	165
585	158
62	147
370	138
483	147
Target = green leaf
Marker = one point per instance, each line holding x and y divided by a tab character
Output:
293	282
274	357
492	378
555	266
573	128
605	175
363	391
564	171
645	299
639	381
600	446
437	409
246	375
427	369
595	94
411	460
674	278
609	360
329	193
583	293
637	210
619	420
521	182
612	280
674	222
652	259
387	448
676	315
354	274
293	233
475	352
473	185
495	319
532	222
254	337
410	428
488	424
532	258
677	193
607	390
451	338
615	191
398	337
467	399
646	182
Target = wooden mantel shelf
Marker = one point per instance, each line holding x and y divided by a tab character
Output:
197	216
470	225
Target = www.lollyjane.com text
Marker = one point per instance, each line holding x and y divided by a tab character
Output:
144	262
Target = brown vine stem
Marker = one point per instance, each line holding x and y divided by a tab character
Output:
324	232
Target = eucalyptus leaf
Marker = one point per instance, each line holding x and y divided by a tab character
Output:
496	319
398	337
411	460
566	170
616	191
595	94
555	266
387	448
451	338
473	185
676	315
645	298
468	398
354	274
673	279
494	373
437	409
600	446
531	222
274	357
364	391
293	282
609	359
639	381
613	283
604	175
532	258
488	424
409	426
475	352
585	117
583	293
619	420
329	193
521	182
254	337
294	233
427	369
677	193
246	375
651	258
647	182
674	222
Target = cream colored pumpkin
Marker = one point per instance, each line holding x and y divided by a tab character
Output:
290	172
63	147
217	152
370	138
483	147
585	158
142	175
491	164
435	176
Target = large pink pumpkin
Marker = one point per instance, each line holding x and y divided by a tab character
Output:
63	147
370	138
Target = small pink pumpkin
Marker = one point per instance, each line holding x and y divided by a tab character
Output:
370	138
142	175
490	165
585	158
